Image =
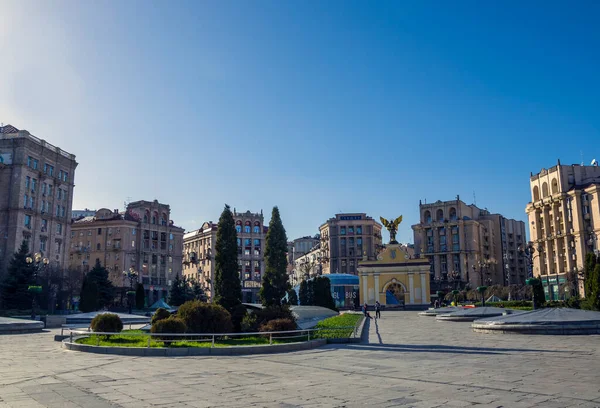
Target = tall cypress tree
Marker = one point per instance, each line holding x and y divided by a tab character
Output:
18	278
140	296
275	280
228	287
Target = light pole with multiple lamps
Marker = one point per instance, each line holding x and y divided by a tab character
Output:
486	263
132	275
38	262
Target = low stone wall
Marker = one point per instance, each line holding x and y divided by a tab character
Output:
560	329
195	351
19	326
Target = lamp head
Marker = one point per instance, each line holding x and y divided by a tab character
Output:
28	260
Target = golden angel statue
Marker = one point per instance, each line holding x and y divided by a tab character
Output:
392	227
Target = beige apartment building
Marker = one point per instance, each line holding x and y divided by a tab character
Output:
199	253
466	244
347	239
564	222
143	237
36	196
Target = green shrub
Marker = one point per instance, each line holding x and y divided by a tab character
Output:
574	302
508	304
107	322
249	323
170	325
278	325
553	303
200	317
160	314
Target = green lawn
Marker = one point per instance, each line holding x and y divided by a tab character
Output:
336	327
125	340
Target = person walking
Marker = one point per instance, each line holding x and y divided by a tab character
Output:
377	310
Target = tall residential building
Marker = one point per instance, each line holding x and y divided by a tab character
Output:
564	222
301	246
36	196
348	239
143	238
466	244
199	252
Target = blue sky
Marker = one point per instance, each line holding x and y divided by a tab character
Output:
315	106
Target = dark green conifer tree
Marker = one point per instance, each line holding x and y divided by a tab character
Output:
19	276
140	296
228	288
106	290
275	282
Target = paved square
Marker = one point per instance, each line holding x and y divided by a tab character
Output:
410	361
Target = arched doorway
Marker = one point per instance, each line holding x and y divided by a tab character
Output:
394	294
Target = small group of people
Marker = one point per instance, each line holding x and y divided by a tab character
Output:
365	310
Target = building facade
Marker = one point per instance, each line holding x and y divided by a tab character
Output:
143	238
199	253
36	196
346	239
301	246
564	222
198	256
465	244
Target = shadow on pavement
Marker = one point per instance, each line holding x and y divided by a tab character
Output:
433	348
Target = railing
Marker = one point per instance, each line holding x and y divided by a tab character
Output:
213	338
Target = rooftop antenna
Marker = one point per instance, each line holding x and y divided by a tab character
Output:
581	152
474	198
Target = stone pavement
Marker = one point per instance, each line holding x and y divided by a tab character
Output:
410	361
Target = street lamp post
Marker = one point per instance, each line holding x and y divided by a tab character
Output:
38	262
132	275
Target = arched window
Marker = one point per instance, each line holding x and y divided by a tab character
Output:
536	193
239	242
544	190
146	216
155	217
439	215
247	227
256	229
163	219
453	214
427	217
238	229
554	186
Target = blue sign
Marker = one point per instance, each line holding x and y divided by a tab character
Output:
350	217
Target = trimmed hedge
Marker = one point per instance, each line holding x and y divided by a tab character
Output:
278	325
160	314
170	325
107	322
257	318
201	317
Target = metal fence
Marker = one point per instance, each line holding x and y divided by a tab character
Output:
214	338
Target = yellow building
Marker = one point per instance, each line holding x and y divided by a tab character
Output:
394	279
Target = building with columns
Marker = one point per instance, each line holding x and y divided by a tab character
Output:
36	196
465	244
564	222
395	280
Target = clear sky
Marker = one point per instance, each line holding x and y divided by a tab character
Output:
315	106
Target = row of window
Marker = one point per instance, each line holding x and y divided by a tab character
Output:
31	183
350	230
28	219
163	235
34	163
44	240
247	229
248	242
350	241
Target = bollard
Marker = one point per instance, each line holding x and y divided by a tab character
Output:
309	335
149	337
213	341
71	337
271	339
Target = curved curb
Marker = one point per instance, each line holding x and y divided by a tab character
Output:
565	329
21	328
450	318
194	351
